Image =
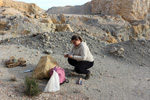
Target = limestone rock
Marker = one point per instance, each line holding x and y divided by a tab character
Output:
55	21
140	29
128	9
29	16
45	64
45	15
2	25
46	20
10	11
117	51
63	27
109	38
83	9
21	6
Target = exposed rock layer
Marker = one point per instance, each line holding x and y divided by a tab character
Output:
21	6
128	9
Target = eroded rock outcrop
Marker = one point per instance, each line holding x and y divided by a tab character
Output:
10	11
140	30
21	6
128	9
83	9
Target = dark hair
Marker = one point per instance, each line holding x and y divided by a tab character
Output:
76	37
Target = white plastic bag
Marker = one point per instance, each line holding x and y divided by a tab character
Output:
53	83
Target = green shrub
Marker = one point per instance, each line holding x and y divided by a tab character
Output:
32	88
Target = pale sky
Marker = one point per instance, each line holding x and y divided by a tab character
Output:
46	4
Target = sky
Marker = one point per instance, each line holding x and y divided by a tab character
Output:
46	4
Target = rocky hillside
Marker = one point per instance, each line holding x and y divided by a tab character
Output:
112	29
128	9
21	6
83	9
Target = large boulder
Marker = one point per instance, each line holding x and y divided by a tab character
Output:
63	27
45	64
46	20
128	9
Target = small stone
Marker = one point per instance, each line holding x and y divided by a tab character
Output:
96	52
48	52
112	50
101	73
148	79
114	77
149	51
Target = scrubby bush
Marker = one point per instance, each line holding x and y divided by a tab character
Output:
32	88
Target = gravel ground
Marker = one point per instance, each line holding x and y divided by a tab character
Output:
113	78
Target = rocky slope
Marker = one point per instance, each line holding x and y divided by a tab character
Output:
113	77
83	9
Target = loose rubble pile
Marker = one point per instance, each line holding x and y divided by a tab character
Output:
117	51
134	51
56	42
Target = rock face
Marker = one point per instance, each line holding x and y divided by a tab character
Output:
21	6
83	9
45	64
140	30
128	9
9	11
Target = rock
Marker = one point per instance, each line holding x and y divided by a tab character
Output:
29	16
55	21
117	51
46	20
10	11
45	15
3	24
128	9
63	27
48	52
83	9
140	30
149	51
112	50
45	64
148	79
109	38
13	78
21	6
25	32
37	16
